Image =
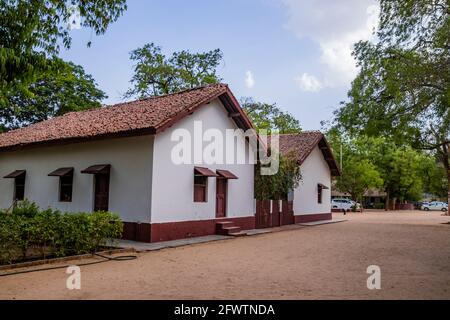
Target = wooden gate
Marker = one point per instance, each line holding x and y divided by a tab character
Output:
263	218
276	214
287	213
269	214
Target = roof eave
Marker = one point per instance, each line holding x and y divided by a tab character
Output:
226	97
329	156
66	141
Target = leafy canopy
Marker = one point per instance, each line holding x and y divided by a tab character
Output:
155	74
377	162
434	177
32	32
277	186
358	176
270	117
64	87
403	87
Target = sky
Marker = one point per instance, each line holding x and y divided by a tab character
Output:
295	53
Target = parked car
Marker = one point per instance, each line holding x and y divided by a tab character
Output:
435	206
419	204
344	204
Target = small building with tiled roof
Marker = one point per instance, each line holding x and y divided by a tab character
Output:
311	200
138	159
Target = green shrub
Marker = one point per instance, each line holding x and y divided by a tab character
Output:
103	226
9	238
378	205
86	232
25	208
52	232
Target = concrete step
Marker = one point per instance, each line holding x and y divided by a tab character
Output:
221	225
226	227
224	223
238	234
232	229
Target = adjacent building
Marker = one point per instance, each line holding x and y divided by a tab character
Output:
312	198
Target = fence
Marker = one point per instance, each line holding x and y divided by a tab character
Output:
401	206
274	213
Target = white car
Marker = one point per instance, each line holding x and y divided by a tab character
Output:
435	206
344	204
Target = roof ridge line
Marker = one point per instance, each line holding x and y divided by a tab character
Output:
301	132
170	94
120	104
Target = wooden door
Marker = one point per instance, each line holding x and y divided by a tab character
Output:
263	216
101	196
221	197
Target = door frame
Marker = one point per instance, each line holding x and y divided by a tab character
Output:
225	181
108	177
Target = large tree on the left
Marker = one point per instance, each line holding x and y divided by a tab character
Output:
32	33
63	88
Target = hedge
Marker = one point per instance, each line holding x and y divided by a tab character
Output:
29	231
378	205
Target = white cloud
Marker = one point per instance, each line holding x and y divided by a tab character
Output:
74	21
249	79
335	26
308	82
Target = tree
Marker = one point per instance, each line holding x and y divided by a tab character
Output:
31	33
357	177
155	74
403	87
405	181
64	87
358	172
399	167
277	186
433	176
270	117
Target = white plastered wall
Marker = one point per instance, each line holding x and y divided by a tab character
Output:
130	180
314	170
173	185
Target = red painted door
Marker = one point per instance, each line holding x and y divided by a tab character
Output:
263	216
221	197
101	196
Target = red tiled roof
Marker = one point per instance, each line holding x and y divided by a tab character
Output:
143	116
302	144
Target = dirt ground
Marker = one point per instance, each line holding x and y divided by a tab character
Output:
412	248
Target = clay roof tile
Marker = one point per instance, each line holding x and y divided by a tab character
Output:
146	115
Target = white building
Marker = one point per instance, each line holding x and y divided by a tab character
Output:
118	158
122	159
312	198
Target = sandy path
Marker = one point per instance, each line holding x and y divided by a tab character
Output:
328	261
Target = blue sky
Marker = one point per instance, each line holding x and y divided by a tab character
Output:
292	52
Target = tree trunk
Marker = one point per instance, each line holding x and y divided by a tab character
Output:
448	191
446	161
386	204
